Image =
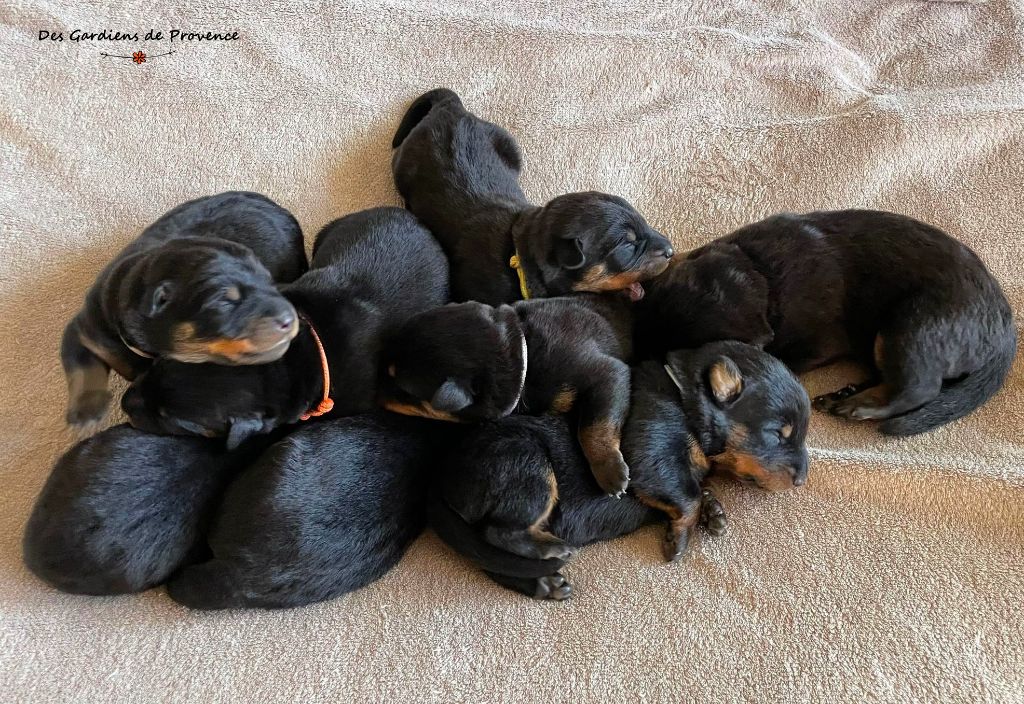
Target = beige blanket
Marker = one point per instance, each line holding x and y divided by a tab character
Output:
896	574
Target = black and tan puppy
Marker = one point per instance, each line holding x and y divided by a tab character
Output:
123	509
371	271
197	285
460	175
472	362
327	510
918	307
516	496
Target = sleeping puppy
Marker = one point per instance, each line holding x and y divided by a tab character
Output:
517	499
460	175
327	510
123	509
197	286
470	362
371	271
916	306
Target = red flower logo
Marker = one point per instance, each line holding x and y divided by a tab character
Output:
139	57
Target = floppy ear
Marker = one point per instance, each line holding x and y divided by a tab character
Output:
160	298
569	253
725	380
451	396
241	429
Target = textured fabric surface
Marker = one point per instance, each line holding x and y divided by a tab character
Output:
895	575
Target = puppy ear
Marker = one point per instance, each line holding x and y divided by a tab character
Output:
241	429
725	380
506	148
160	297
451	396
569	253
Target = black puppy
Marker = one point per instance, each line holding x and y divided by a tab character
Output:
472	362
460	175
327	510
516	496
901	296
197	285
123	509
371	271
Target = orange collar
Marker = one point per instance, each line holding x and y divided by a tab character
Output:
326	403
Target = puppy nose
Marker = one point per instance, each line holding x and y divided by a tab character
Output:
667	252
284	321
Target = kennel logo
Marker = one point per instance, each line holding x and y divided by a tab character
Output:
176	37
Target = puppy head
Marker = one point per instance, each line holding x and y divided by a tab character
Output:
712	294
757	408
598	242
209	400
206	300
461	362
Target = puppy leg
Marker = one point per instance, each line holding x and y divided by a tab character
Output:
88	396
712	515
553	587
603	406
911	376
534	541
683	515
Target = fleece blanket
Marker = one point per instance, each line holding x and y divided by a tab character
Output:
895	575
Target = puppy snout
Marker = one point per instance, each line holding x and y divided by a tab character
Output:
666	252
285	320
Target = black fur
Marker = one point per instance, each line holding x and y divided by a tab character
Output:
460	175
472	362
918	307
371	271
122	509
735	409
198	285
327	510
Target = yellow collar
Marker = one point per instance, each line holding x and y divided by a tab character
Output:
518	266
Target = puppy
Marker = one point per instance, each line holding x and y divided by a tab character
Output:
916	306
123	509
197	285
327	510
460	175
371	271
471	362
516	497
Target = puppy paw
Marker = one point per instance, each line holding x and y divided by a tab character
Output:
556	551
612	475
88	409
828	402
553	588
675	543
712	515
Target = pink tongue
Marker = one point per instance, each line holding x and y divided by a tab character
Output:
636	291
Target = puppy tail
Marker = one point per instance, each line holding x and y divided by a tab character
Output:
958	398
420	108
453	530
206	586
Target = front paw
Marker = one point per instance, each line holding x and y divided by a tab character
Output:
88	409
553	588
675	543
612	475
